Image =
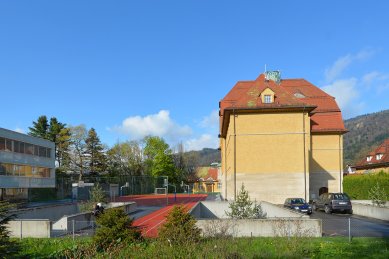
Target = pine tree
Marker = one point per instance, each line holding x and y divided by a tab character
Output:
40	128
242	207
95	152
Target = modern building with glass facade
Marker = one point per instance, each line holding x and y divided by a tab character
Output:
25	162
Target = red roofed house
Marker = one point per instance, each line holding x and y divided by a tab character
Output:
207	179
375	161
281	138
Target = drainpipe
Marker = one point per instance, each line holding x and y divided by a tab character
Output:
340	166
225	168
233	111
305	166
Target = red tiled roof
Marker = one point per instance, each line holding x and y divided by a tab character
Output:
382	149
289	94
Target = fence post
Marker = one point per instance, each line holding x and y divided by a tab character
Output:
73	228
21	229
349	230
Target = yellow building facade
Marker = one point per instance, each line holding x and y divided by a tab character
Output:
268	143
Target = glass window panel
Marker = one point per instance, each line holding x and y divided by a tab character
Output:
2	169
28	170
21	147
41	171
29	149
42	151
22	170
48	152
16	146
8	169
36	150
2	143
8	144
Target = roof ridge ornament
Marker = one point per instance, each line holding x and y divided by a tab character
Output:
274	76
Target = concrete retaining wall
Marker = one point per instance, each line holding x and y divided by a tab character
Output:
52	212
213	221
262	227
214	210
366	209
29	228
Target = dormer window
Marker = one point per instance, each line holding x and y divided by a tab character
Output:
379	156
368	158
267	98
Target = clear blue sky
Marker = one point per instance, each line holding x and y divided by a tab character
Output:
130	68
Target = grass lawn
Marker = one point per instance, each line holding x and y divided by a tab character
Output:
334	247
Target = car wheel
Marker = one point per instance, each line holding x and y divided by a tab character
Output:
327	209
350	211
314	207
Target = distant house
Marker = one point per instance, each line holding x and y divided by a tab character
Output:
206	179
375	161
281	138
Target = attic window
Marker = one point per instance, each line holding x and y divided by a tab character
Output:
379	156
267	98
368	158
299	95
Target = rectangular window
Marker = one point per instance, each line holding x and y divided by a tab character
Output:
21	147
379	156
268	98
2	169
36	150
48	152
16	146
29	149
368	159
2	143
42	151
28	170
8	145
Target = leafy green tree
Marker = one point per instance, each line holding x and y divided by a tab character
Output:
40	127
126	159
159	158
114	227
94	152
180	228
244	208
8	247
77	150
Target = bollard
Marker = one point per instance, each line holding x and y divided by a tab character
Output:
73	228
349	230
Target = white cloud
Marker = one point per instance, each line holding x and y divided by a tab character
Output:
204	141
160	124
347	94
343	62
211	121
17	129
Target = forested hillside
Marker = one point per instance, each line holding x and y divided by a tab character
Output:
365	133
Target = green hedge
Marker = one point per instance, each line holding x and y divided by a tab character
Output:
358	186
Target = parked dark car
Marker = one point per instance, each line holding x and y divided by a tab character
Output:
331	202
298	204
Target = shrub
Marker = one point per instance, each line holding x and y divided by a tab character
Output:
244	208
358	186
8	247
114	227
378	195
180	228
